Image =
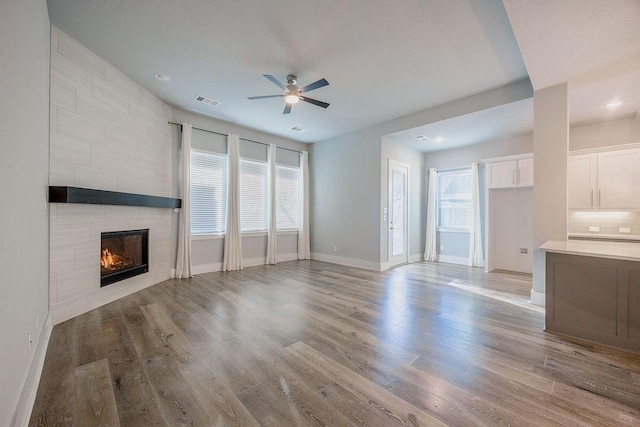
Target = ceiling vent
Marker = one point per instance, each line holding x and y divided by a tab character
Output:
297	129
208	101
423	138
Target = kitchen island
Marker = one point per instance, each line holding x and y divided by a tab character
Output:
593	291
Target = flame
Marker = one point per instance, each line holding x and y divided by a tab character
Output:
106	260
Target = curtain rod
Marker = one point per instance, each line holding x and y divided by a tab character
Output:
459	168
244	139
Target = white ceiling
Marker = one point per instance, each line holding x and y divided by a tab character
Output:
505	121
382	61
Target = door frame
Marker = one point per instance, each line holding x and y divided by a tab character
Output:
390	259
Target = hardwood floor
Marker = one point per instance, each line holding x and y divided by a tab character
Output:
311	343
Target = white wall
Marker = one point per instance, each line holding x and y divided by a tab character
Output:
456	244
107	133
550	149
24	174
207	251
417	197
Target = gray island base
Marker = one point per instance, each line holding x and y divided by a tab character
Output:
593	292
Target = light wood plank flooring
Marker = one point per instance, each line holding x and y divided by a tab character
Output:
311	343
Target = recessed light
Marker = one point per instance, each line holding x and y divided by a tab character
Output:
614	104
163	77
438	139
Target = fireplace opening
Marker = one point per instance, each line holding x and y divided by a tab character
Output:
123	254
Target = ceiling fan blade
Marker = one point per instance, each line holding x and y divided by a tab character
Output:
287	109
265	96
314	102
275	81
315	85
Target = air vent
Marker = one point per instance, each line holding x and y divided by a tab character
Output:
423	138
208	101
297	129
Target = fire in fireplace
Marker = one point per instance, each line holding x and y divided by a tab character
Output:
123	254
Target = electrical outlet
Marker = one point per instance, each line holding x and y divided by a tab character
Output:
335	249
523	250
442	247
30	340
594	229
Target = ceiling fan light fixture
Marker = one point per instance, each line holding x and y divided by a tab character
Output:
292	98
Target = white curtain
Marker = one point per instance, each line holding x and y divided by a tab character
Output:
232	258
183	260
304	244
476	259
430	253
272	237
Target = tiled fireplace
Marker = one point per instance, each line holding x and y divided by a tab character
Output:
107	133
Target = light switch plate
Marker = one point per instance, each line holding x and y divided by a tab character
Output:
594	229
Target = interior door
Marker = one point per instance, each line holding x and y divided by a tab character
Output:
398	240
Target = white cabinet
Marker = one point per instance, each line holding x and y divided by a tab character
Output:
606	180
582	181
515	172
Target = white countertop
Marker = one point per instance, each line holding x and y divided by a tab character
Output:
629	251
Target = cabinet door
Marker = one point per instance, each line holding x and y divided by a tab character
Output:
525	172
502	174
619	179
582	181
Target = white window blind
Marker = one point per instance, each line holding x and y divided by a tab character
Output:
208	192
288	197
253	195
454	199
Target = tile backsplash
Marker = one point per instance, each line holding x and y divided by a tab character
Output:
609	223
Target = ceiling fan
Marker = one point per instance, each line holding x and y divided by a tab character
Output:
292	94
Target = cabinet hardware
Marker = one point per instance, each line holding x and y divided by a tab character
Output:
591	204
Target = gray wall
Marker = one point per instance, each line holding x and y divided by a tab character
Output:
457	243
417	196
24	174
346	175
345	197
210	250
615	132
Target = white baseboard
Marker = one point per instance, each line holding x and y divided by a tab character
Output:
27	399
415	258
450	259
384	266
351	262
246	262
537	298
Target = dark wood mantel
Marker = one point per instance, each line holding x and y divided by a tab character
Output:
90	196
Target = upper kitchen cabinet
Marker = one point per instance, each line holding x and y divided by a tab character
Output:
605	180
510	171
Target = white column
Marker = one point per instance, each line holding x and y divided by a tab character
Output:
550	148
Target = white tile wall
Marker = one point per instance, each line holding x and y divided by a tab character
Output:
107	133
609	222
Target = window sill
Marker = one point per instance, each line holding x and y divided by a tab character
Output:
452	230
245	234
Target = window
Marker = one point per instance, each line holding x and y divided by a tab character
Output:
253	195
288	197
454	199
208	192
